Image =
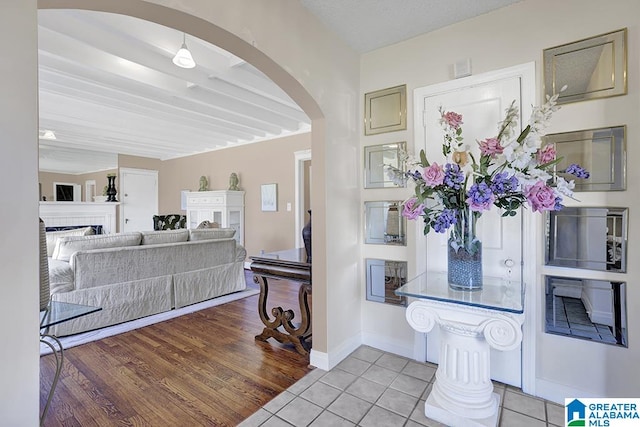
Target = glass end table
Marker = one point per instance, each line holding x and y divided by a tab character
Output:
58	312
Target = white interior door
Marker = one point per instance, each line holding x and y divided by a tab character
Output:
482	105
139	199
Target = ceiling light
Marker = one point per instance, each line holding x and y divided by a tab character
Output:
48	134
183	57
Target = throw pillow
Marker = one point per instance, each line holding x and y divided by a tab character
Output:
208	224
53	236
67	246
211	233
164	236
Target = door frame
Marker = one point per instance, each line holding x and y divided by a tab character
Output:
300	157
531	226
121	173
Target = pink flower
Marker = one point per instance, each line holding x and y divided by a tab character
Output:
546	154
541	197
410	210
453	120
433	175
490	147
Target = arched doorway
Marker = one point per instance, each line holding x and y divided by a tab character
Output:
317	70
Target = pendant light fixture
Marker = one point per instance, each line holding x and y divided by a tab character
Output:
183	57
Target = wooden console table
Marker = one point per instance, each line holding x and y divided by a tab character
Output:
288	265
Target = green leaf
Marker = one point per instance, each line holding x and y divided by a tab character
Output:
524	134
423	159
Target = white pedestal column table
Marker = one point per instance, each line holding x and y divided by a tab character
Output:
471	323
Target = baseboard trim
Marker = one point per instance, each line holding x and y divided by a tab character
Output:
557	392
383	343
327	361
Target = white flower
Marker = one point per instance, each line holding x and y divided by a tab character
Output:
565	187
539	174
517	155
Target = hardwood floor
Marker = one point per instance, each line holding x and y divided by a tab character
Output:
201	369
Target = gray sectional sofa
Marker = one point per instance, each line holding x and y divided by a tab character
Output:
133	275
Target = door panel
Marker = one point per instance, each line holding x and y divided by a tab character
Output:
482	108
139	198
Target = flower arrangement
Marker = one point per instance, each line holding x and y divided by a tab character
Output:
511	171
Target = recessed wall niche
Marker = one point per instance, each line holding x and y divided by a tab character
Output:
383	278
375	159
593	238
601	151
384	224
587	309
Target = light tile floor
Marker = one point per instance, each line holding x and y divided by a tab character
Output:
372	388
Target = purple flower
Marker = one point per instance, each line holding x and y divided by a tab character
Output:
415	175
502	183
541	197
410	210
446	218
577	171
433	175
453	176
558	206
480	198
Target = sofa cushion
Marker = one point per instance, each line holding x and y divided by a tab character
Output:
211	233
60	276
66	246
164	236
52	236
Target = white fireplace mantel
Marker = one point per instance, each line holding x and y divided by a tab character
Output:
56	214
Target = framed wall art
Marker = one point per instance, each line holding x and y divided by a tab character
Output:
591	68
269	197
385	110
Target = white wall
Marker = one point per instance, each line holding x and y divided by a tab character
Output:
510	36
19	214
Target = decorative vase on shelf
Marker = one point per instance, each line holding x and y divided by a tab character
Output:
306	237
111	189
464	255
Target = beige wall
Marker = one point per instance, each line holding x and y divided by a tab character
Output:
256	164
511	36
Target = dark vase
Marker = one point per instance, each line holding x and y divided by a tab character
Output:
111	189
306	237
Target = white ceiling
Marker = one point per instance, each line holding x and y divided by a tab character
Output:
366	25
108	86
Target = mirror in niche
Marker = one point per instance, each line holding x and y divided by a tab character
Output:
600	151
587	309
375	157
593	238
383	278
384	224
591	68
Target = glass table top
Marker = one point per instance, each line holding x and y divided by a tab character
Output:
58	312
496	294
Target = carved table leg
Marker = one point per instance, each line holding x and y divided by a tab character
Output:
281	327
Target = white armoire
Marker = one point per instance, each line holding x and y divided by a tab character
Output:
225	207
